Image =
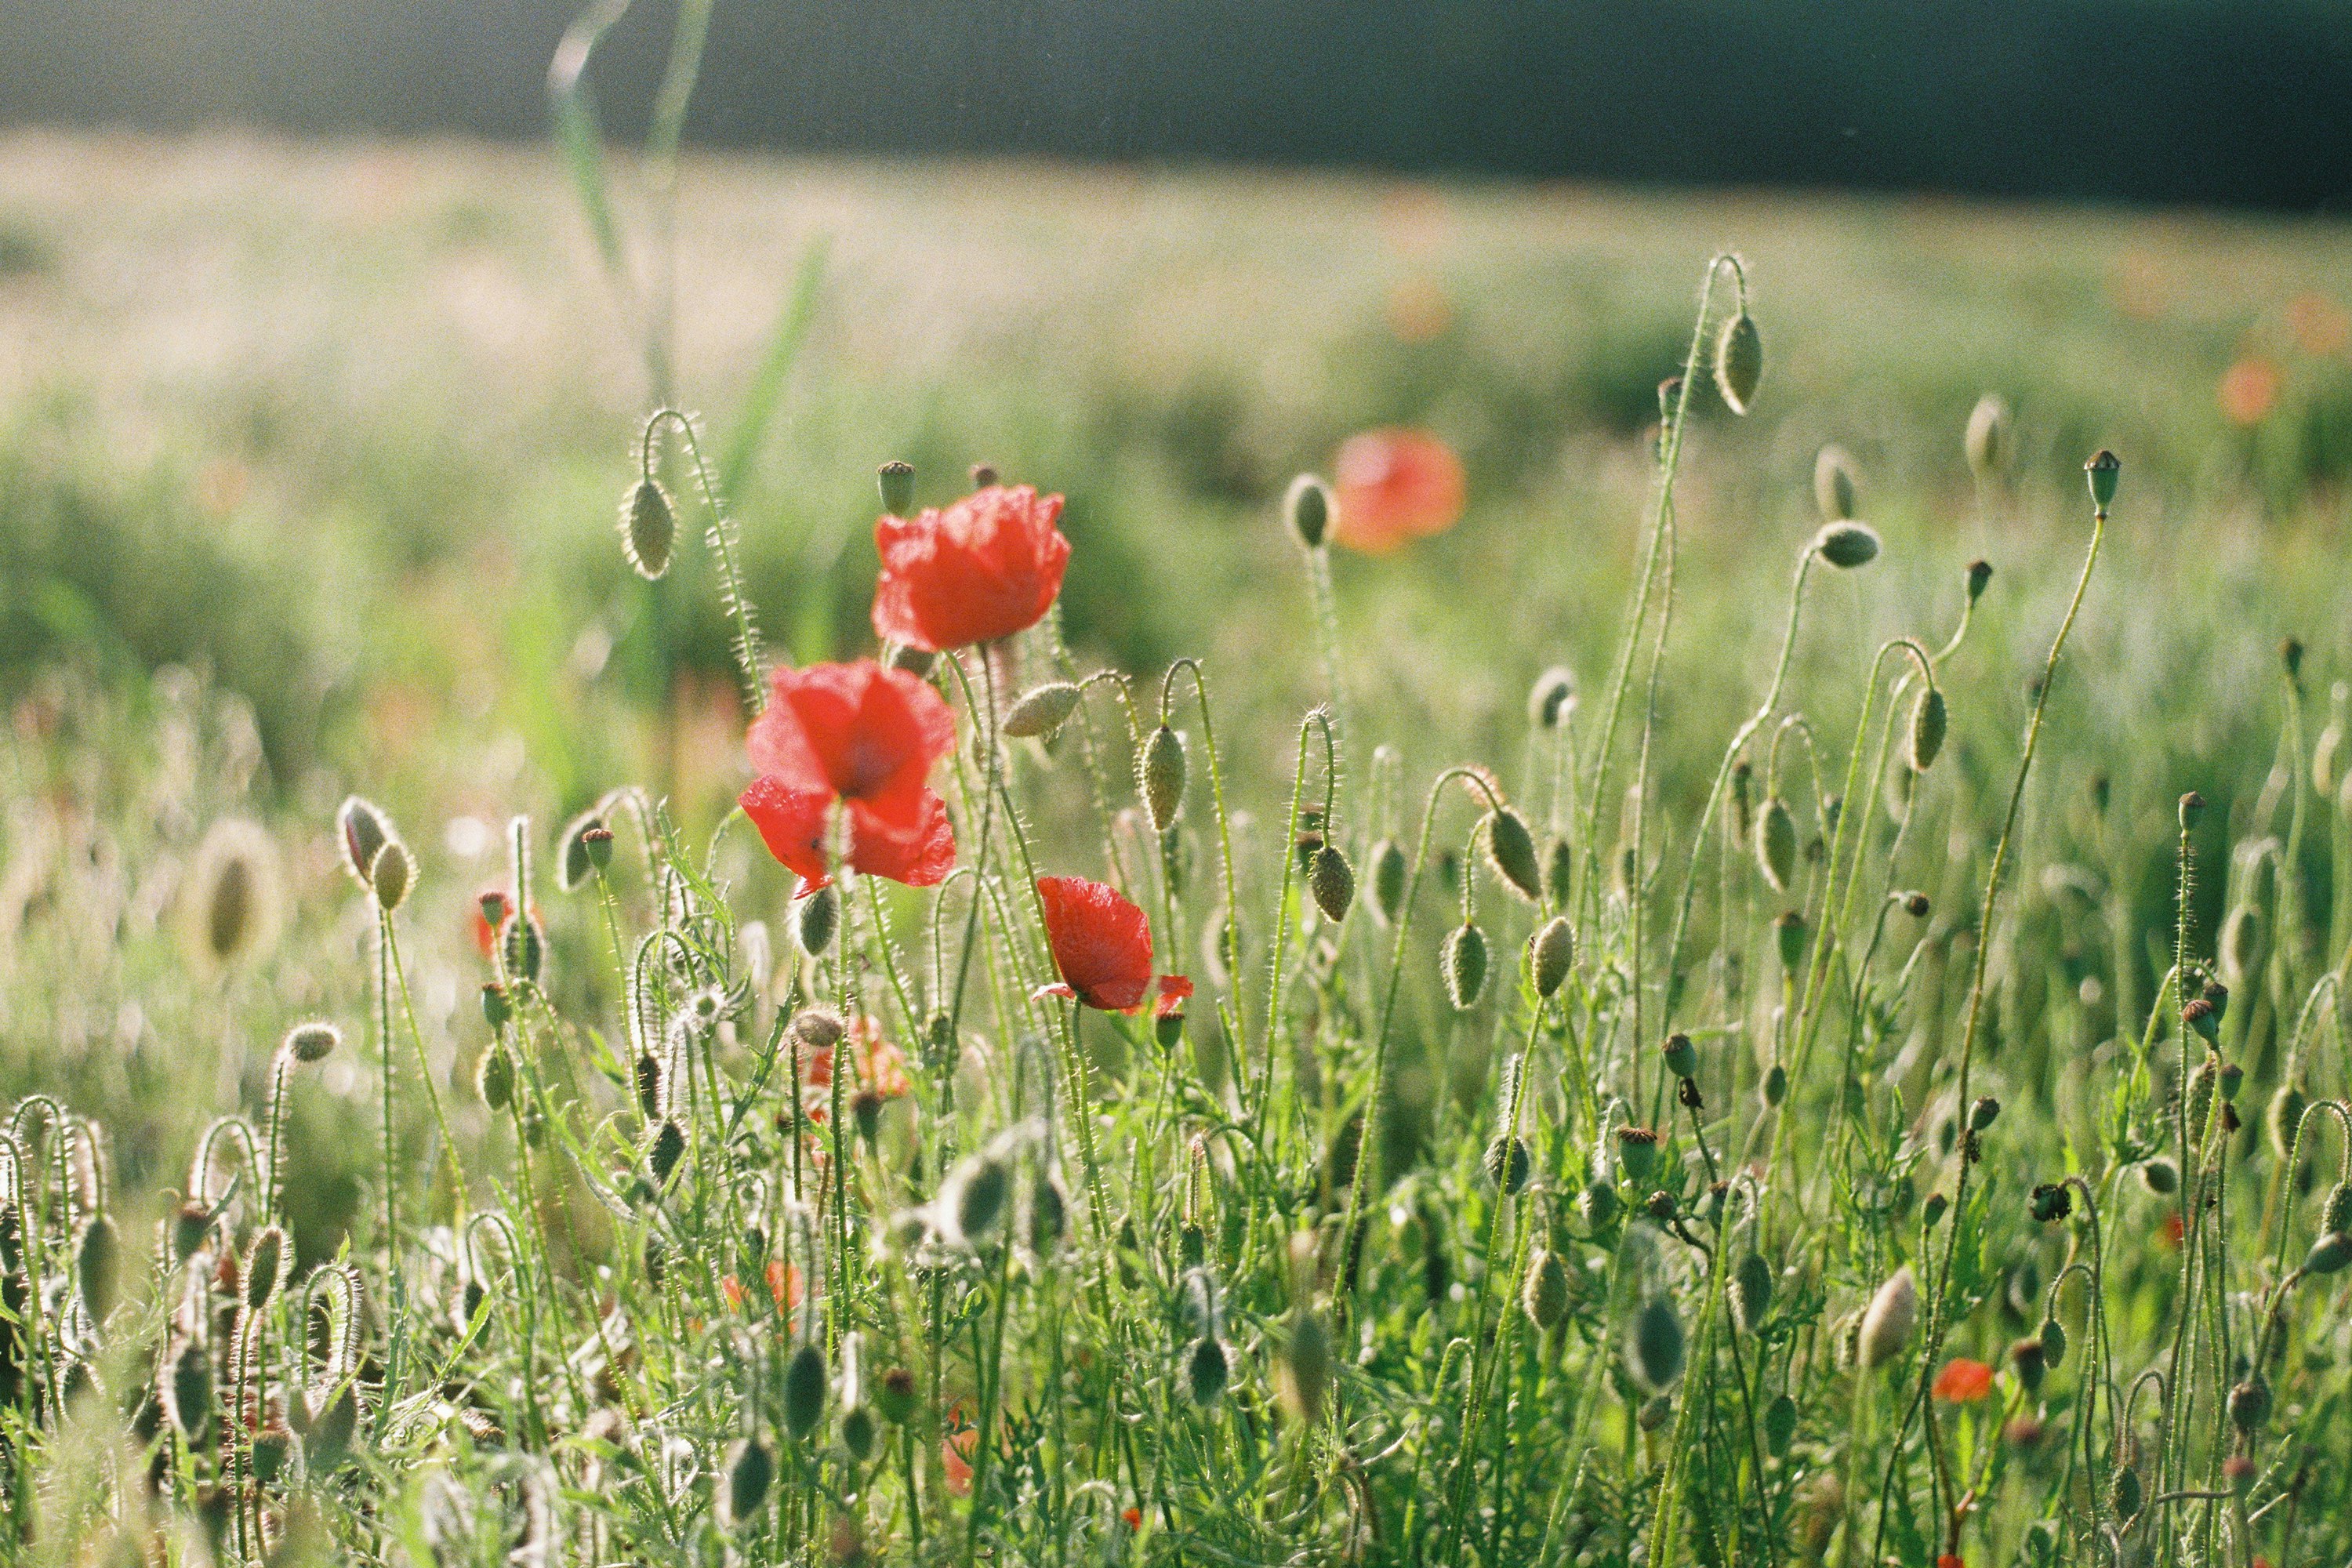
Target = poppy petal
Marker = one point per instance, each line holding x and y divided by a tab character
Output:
1102	941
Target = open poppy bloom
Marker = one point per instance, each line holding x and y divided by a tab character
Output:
1395	485
1963	1380
982	569
1102	946
866	737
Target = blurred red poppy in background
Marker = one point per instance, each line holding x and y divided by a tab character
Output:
865	736
1963	1380
1393	485
984	568
1102	946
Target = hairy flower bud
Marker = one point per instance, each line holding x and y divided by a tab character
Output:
804	1391
1389	870
391	875
1658	1345
818	916
1739	363
1160	777
1847	545
312	1042
1833	485
1552	697
1776	844
1987	442
1042	711
1307	509
1887	1322
1545	1295
1462	964
1512	849
649	528
1332	882
1929	720
1554	949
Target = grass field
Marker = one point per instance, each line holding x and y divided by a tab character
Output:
309	458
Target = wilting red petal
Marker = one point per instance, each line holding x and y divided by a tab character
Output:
1394	485
1132	1518
1102	944
984	568
1173	990
1962	1381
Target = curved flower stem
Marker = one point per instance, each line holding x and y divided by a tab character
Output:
721	534
1228	940
1316	717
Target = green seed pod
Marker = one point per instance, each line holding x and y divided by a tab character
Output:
1307	509
1160	777
1332	882
1929	720
1789	939
393	871
498	1007
95	1259
1776	845
2250	1404
1462	964
1833	484
268	1450
2053	1341
1552	698
859	1432
1751	1290
2335	1214
2329	1254
819	916
1042	711
1637	1152
1779	1426
1545	1295
187	1392
896	480
1739	363
1560	867
1554	949
895	1395
1512	849
1506	1163
981	1187
1597	1204
2103	470
365	829
598	843
2160	1175
1886	1323
1681	1056
2027	1359
312	1042
267	1267
649	528
1207	1369
2285	1117
1987	442
1388	879
2124	1492
574	864
1658	1345
750	1469
1847	545
494	1077
805	1383
668	1147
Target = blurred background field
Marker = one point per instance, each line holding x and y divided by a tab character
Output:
333	433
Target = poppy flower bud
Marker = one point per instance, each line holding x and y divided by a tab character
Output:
979	1188
2250	1404
312	1042
2290	656
1931	1213
1560	867
1544	1296
1789	938
1637	1152
494	1079
2285	1117
1552	697
1739	363
2124	1493
859	1432
2025	1358
1388	879
1040	711
1554	948
2051	1202
524	947
1929	718
1304	1372
2232	1077
649	528
393	870
266	1267
982	475
1463	965
1776	845
1307	508
598	841
574	865
1512	849
1207	1369
2053	1340
896	480
1160	777
497	1005
1332	882
1662	1207
895	1395
95	1258
1847	545
190	1228
2329	1254
188	1389
1682	1056
805	1383
1049	1215
1505	1164
2103	469
1833	485
1751	1291
1916	905
1887	1322
1779	1426
1987	442
818	917
668	1149
1983	1113
1658	1346
2335	1214
1597	1204
1979	573
1774	1089
365	829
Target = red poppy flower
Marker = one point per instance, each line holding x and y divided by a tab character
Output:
866	737
1102	946
784	1284
1395	485
881	1066
1963	1380
955	1452
984	568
